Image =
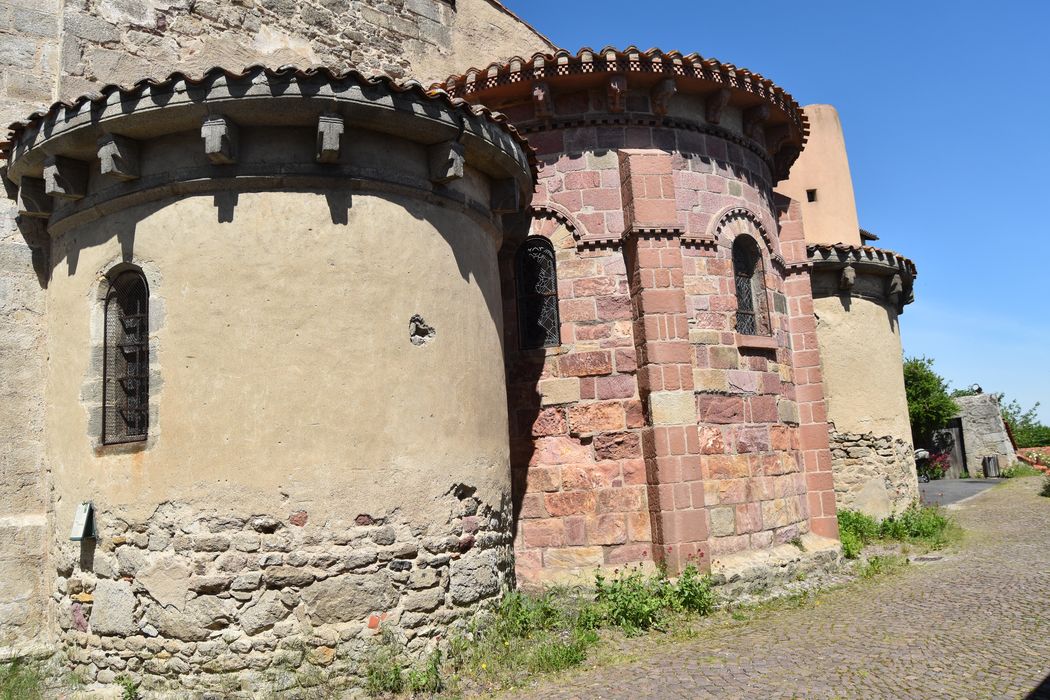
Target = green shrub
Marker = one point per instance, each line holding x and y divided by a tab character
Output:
851	544
1046	487
428	678
1020	469
20	681
559	654
383	668
693	592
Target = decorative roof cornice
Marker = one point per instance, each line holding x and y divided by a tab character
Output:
157	91
840	254
722	82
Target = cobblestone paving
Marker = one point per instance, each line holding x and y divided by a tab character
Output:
973	625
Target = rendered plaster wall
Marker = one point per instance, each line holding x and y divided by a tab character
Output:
984	432
310	471
862	363
123	41
823	166
29	59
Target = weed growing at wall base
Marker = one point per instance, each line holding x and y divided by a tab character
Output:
20	681
922	525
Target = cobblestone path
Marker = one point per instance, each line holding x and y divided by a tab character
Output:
974	625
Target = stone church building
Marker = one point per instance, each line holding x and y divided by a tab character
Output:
294	347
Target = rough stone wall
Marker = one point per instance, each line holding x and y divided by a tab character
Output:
190	599
123	41
29	58
984	433
874	474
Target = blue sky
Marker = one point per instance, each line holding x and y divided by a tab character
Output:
947	121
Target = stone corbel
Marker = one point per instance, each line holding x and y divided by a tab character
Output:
220	140
330	128
541	100
447	160
65	177
716	104
617	94
847	279
33	199
777	136
895	291
506	196
661	96
754	118
119	157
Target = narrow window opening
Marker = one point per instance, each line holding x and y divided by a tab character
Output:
752	317
538	322
811	195
125	380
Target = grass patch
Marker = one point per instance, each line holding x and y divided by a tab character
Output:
926	526
531	634
882	564
1020	469
21	681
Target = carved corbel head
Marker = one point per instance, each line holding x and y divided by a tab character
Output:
541	100
754	118
661	96
847	279
617	93
716	104
895	290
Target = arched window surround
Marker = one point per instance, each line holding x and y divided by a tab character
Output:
752	315
535	270
125	368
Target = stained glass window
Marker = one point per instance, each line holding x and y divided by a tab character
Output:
538	322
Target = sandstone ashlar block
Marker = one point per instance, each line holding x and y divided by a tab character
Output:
220	140
330	129
559	391
672	407
118	157
65	177
446	162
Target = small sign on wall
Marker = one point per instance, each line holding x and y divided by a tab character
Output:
83	523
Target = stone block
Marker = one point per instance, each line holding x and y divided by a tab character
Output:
33	199
574	558
559	391
597	417
330	128
672	408
447	161
113	611
710	380
473	576
723	521
220	140
348	598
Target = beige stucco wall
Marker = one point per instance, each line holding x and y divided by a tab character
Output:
284	377
823	166
862	360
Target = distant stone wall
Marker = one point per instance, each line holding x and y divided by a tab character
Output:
191	600
984	432
874	474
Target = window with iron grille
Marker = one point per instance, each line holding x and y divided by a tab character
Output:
538	322
752	316
125	380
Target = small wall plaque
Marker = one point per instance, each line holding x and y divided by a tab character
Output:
83	523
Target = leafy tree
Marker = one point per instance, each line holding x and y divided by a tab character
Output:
1028	431
930	406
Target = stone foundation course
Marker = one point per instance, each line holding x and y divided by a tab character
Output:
192	601
874	474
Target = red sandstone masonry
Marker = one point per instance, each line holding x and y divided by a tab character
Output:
598	479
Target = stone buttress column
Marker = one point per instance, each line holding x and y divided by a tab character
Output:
807	374
670	441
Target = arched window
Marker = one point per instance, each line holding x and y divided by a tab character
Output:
125	380
538	323
752	317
